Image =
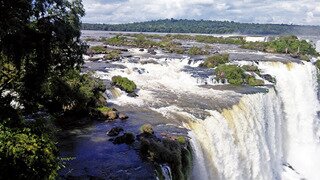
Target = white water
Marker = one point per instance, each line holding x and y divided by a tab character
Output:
254	138
297	88
243	142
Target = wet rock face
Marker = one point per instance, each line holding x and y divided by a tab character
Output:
115	131
152	51
127	138
269	78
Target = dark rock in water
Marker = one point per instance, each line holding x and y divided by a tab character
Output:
269	78
141	49
133	94
127	138
126	56
123	116
134	59
149	62
115	131
140	71
152	51
124	49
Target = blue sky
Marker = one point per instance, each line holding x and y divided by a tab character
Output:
258	11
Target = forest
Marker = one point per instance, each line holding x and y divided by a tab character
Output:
206	27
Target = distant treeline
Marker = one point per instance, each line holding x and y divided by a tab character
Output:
207	27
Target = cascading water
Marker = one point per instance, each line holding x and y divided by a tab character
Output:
243	142
297	88
271	135
253	139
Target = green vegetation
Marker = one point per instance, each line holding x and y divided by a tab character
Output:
234	74
26	155
220	40
40	62
146	129
181	139
215	60
73	92
117	41
143	42
205	27
97	49
124	84
284	44
318	64
113	55
171	46
252	81
104	109
197	51
251	68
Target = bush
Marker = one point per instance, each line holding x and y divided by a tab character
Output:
284	44
74	92
317	64
181	139
24	155
197	51
146	129
252	81
234	74
124	84
251	68
113	55
171	46
98	49
215	60
117	41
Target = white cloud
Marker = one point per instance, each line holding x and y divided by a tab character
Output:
257	11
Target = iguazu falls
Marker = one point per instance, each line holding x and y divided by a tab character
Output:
95	89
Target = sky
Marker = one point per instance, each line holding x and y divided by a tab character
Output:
303	12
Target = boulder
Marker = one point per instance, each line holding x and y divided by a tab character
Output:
127	138
123	116
115	131
152	51
146	129
133	94
269	78
111	115
141	49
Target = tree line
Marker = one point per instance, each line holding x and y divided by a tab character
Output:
206	27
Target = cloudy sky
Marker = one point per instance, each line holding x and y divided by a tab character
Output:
257	11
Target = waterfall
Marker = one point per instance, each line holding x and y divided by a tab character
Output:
297	88
243	142
265	135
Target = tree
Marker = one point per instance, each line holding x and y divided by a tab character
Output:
39	38
40	51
